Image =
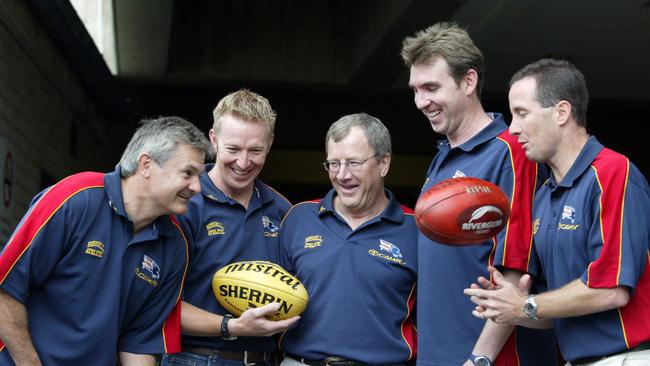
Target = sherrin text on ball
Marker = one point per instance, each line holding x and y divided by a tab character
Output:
250	284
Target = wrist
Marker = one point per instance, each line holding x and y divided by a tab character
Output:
530	308
226	326
480	360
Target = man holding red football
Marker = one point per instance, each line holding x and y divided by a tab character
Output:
446	76
235	218
355	251
592	229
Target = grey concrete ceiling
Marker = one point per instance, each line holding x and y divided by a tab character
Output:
355	43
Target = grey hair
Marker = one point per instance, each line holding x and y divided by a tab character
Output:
375	131
159	138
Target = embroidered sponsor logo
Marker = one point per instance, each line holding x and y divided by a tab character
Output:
390	248
149	271
390	258
95	248
313	241
270	229
572	227
215	228
535	226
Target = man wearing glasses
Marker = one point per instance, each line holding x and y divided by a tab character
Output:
356	253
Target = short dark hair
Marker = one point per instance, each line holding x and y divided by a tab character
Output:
558	80
450	42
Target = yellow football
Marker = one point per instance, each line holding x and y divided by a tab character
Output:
244	285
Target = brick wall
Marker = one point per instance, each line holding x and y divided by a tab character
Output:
48	121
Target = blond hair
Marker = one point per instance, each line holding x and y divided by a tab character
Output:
246	105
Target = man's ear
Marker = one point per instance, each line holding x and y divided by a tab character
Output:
144	164
563	112
470	82
385	165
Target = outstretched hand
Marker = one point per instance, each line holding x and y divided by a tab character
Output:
253	322
499	300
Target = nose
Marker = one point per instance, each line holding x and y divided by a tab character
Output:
195	185
243	161
421	100
515	128
343	172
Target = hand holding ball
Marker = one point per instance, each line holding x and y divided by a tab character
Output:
462	211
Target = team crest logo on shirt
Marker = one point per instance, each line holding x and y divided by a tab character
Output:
149	271
390	248
395	255
215	228
270	230
458	174
569	213
313	241
321	209
95	248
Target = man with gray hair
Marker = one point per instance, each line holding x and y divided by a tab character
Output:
355	251
92	271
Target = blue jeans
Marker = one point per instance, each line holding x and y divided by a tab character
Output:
192	359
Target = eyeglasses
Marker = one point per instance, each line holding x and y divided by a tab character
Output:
352	165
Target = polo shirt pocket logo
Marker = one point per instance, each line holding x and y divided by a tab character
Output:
150	271
270	229
313	241
215	228
95	248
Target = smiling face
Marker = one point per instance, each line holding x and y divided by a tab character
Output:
173	183
535	126
358	192
438	96
242	147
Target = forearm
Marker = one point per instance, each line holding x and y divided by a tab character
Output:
494	335
576	299
14	331
199	322
133	359
492	339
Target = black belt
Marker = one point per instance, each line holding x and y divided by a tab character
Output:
332	361
584	360
247	357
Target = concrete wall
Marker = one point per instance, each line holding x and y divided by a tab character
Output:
49	125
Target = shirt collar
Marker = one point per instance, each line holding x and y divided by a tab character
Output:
211	191
392	212
492	130
584	160
113	188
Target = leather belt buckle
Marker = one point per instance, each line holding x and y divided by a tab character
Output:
333	360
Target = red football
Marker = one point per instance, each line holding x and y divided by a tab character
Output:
462	211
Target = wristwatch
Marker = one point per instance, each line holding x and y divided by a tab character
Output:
224	328
480	360
530	308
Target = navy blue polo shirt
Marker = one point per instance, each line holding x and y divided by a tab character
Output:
595	225
447	330
221	231
361	283
92	288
